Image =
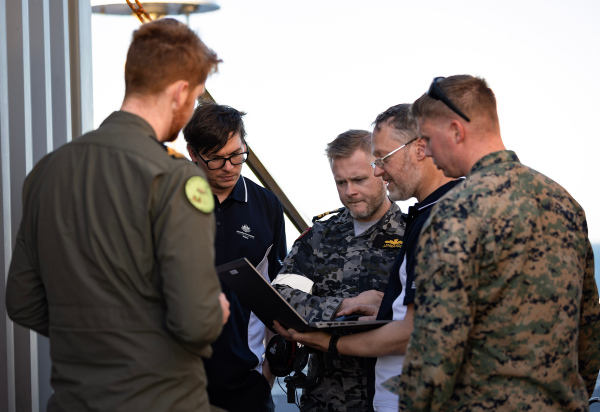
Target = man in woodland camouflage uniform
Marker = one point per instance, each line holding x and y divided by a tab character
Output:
506	312
348	257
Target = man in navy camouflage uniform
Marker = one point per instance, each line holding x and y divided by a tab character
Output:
506	313
348	257
402	163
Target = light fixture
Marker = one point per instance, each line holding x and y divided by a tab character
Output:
155	8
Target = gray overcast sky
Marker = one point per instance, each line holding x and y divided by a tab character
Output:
307	71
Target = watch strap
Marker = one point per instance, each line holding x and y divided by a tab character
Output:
333	344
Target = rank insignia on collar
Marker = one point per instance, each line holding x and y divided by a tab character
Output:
199	194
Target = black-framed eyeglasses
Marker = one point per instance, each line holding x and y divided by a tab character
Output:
435	92
236	159
381	161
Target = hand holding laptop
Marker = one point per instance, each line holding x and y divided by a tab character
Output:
258	295
368	312
368	297
316	340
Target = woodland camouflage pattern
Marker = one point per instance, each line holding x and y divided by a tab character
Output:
506	304
341	266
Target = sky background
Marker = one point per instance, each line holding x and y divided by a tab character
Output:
308	71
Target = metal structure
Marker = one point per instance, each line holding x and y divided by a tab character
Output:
45	100
161	8
156	9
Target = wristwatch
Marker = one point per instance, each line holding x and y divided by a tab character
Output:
333	344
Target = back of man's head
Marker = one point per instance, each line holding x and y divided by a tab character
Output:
211	127
347	143
398	117
163	52
470	94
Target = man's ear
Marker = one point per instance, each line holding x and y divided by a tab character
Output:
420	151
458	132
180	91
192	153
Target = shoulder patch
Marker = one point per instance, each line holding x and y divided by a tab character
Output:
199	194
303	233
322	215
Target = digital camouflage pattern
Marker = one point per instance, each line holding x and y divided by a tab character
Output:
341	265
506	312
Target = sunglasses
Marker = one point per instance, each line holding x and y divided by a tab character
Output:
435	92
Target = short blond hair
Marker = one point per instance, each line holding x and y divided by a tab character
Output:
470	94
347	143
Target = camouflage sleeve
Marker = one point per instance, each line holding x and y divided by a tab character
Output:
300	261
442	320
589	326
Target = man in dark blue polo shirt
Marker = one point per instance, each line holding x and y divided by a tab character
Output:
409	174
250	224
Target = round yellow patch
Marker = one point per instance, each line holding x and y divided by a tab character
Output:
199	194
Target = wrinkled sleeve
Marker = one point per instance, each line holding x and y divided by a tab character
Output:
26	302
184	245
589	326
442	317
300	261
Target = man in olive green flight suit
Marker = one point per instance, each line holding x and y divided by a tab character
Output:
114	256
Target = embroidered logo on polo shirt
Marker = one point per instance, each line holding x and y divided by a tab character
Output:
245	232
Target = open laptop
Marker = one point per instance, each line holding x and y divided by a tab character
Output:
257	294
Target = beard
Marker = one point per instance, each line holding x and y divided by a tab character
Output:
179	120
404	186
373	205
